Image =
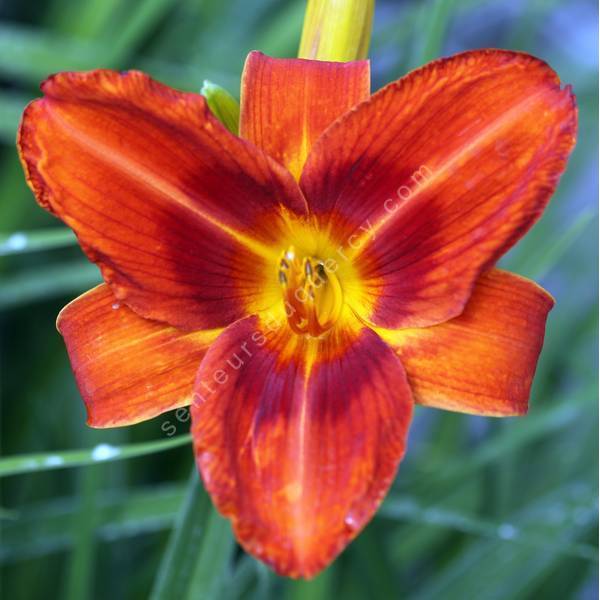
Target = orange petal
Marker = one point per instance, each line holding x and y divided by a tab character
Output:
128	369
178	212
298	439
482	362
287	103
428	183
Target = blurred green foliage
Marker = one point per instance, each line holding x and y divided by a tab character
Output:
481	508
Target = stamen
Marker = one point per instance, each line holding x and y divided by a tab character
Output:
313	297
308	268
321	271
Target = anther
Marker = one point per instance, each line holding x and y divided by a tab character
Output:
321	273
313	297
308	268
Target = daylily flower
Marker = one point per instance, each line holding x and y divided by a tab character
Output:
305	282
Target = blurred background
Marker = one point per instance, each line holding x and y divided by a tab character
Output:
481	508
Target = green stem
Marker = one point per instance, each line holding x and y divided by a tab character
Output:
27	463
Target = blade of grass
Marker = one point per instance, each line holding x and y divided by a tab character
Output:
30	55
319	588
435	18
377	567
41	240
521	433
480	568
540	264
280	33
82	19
45	528
243	577
211	572
267	580
56	528
27	463
11	107
81	560
181	553
135	25
406	509
16	212
49	281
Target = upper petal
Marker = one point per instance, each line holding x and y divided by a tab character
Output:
127	368
287	103
298	439
429	182
179	214
483	361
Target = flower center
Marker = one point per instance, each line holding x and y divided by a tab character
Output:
312	295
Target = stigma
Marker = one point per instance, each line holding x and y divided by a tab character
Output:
312	294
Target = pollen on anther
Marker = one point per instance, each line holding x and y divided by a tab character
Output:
321	273
313	298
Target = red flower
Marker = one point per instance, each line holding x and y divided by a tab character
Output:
336	260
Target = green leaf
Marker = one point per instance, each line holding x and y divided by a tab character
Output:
30	55
41	240
243	577
506	566
199	551
521	432
212	570
40	529
27	463
223	105
407	509
319	588
435	18
541	263
182	550
48	281
134	26
80	572
11	107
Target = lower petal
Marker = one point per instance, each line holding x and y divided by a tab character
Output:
298	439
483	361
128	369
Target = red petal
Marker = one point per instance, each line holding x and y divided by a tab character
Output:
128	369
482	362
287	103
429	182
299	444
178	212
